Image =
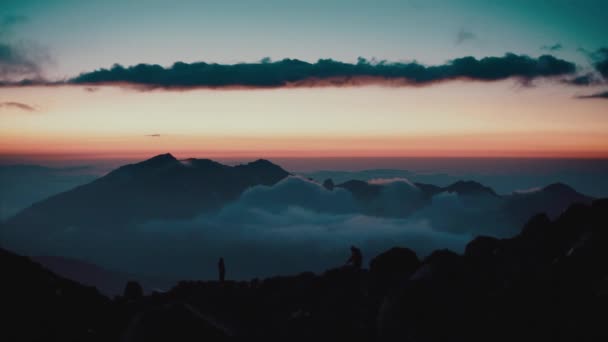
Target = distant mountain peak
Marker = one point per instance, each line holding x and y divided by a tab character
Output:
164	156
559	188
263	171
470	188
262	162
160	159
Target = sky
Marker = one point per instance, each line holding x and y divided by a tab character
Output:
424	88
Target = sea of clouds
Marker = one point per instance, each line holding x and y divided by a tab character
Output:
294	226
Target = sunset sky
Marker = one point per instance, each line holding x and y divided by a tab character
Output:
556	107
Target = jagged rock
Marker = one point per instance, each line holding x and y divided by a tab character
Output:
391	268
133	291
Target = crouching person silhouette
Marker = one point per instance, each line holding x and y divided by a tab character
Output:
356	258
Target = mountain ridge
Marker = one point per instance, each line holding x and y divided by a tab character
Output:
159	181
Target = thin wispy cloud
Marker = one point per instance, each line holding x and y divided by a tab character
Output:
464	36
19	59
587	79
600	61
8	22
601	95
598	74
17	105
154	135
553	48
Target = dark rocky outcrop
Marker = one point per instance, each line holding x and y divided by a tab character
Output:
391	269
37	305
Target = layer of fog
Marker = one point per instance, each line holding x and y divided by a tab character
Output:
295	226
23	185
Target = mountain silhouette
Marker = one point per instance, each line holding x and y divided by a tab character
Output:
38	305
462	188
470	188
552	200
161	187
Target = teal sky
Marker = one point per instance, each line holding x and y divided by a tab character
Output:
85	35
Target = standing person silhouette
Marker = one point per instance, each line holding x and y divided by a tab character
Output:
356	258
221	267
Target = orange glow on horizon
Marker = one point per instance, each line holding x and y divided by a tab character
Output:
537	145
456	119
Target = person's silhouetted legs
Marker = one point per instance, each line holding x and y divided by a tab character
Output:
221	267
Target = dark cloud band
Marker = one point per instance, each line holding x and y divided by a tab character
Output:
601	95
326	72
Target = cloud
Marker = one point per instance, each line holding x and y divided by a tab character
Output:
464	35
583	80
19	60
600	95
398	198
600	61
293	191
17	105
266	243
554	47
9	21
155	135
294	226
325	72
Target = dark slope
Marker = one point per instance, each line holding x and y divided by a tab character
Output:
548	283
38	305
108	282
159	188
